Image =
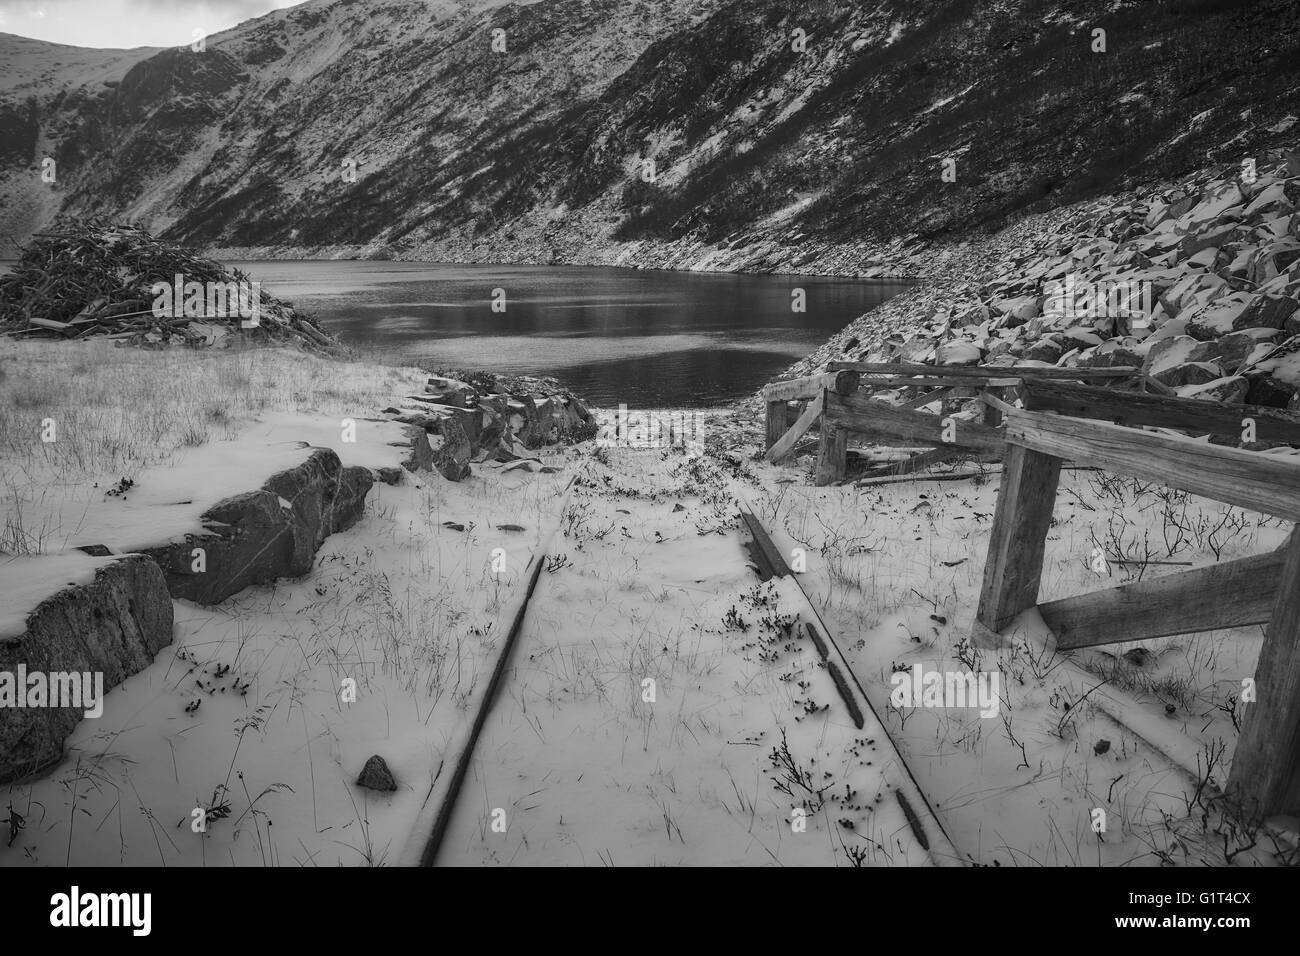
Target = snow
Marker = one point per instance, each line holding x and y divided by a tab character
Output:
587	770
401	605
27	581
647	580
166	502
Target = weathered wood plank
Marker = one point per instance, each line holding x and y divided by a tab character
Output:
1186	414
916	463
1247	479
832	461
985	371
1265	771
993	403
768	559
1019	535
939	381
801	425
780	416
927	399
843	382
858	413
1229	594
50	324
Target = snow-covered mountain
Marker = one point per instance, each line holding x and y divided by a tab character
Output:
394	128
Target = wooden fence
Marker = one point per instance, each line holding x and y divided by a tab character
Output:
1264	589
1066	417
840	402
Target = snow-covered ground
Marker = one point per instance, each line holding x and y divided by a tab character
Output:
661	705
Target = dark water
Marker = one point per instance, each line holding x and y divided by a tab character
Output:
644	338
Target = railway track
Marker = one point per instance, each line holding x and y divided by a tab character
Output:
881	809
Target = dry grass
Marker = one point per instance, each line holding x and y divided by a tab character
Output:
116	411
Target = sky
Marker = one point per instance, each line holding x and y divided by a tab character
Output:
127	23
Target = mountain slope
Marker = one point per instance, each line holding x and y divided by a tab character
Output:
462	152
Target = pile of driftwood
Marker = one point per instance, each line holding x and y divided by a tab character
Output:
100	279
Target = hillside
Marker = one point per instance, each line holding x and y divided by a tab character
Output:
537	153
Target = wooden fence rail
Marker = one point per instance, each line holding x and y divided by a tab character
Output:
1067	416
1265	773
836	403
982	372
787	424
1194	415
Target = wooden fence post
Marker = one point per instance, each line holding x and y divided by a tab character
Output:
1015	560
832	458
993	414
779	419
1265	774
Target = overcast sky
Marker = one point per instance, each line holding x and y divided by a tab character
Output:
127	23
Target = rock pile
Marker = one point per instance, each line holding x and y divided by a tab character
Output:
485	417
1197	283
103	279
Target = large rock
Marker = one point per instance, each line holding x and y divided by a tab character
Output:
1110	358
1273	258
450	391
1194	289
1231	389
1235	349
1214	202
274	532
1044	350
1224	315
1268	311
1271	392
957	352
112	623
1211	239
421	456
1189	373
454	450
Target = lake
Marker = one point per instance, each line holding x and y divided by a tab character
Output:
647	339
642	338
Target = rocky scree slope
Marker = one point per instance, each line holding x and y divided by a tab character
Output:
1206	273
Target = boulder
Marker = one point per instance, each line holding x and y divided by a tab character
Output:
112	622
1268	312
1273	258
1168	353
1211	239
1044	350
1283	364
1224	315
450	391
421	457
452	455
957	352
1236	348
1188	373
274	532
375	775
1271	392
1194	289
1114	358
1231	388
1215	202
